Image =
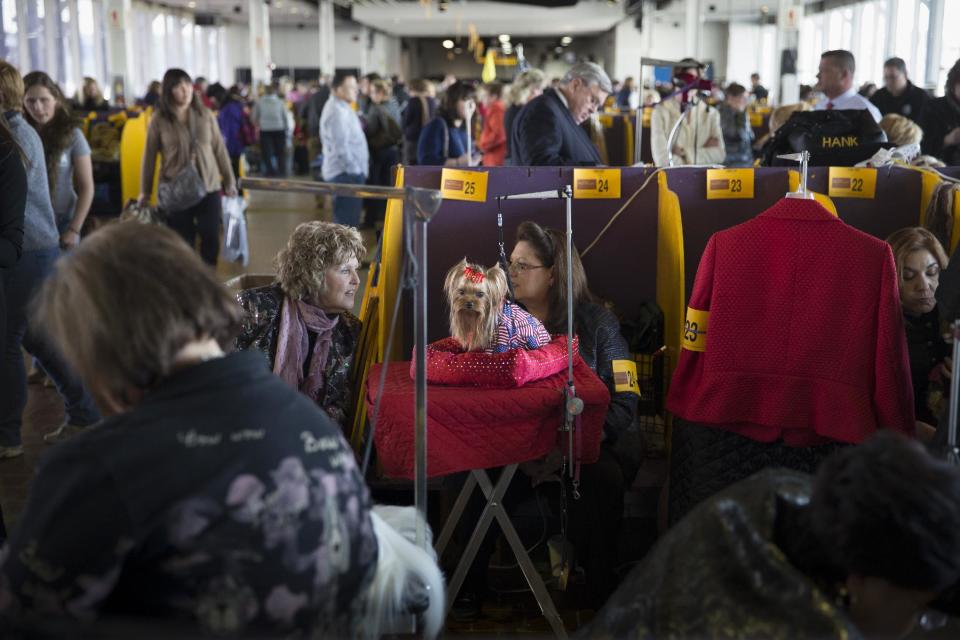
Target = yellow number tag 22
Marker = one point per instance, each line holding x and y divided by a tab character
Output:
695	330
849	182
625	376
456	184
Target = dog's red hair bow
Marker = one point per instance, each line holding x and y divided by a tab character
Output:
473	275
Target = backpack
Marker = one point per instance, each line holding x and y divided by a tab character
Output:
835	138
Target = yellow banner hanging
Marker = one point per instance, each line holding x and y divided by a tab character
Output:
456	184
726	184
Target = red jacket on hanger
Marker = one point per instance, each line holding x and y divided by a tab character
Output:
794	330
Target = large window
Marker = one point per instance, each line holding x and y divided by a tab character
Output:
36	36
951	45
864	28
10	43
66	73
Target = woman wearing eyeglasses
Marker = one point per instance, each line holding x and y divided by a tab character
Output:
538	268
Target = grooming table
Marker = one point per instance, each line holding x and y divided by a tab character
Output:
474	429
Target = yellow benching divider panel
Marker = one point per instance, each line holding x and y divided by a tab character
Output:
133	141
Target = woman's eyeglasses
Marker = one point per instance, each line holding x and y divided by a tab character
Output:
522	267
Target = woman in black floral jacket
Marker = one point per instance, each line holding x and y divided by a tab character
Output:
213	496
303	322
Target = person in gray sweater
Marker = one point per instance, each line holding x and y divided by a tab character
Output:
41	248
270	114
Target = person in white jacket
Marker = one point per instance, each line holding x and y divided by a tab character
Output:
700	138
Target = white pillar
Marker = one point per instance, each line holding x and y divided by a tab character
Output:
934	43
692	29
789	15
260	59
120	52
327	45
365	40
890	44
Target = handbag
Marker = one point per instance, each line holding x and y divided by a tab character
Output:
143	214
187	187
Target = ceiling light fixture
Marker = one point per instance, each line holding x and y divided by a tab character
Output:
504	38
448	44
565	40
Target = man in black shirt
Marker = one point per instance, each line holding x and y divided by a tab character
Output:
757	90
898	94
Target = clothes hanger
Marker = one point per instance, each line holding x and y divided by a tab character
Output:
804	159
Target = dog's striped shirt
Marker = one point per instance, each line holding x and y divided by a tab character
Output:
517	329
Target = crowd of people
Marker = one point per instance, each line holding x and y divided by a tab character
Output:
201	476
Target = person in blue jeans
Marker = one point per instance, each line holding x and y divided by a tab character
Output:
41	248
346	159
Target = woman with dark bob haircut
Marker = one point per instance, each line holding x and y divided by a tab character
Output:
214	495
304	322
858	551
443	141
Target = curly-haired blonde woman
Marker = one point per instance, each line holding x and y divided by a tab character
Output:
303	322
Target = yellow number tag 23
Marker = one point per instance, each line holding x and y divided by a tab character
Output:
695	330
724	184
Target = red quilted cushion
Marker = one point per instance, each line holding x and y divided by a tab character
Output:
471	428
448	364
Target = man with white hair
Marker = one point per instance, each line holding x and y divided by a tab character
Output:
547	131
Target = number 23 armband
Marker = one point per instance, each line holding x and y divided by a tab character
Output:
695	330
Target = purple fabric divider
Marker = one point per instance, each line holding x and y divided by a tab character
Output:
702	218
896	205
621	268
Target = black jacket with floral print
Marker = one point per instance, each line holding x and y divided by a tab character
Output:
261	328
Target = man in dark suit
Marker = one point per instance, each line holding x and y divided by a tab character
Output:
547	131
898	94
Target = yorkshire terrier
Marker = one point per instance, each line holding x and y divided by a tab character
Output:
481	319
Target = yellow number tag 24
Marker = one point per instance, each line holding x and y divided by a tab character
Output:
625	376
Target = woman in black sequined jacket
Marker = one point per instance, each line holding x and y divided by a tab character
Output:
539	272
317	271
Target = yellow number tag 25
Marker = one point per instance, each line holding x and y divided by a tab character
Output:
695	330
456	184
625	376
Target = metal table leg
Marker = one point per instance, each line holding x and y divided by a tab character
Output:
494	509
455	514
